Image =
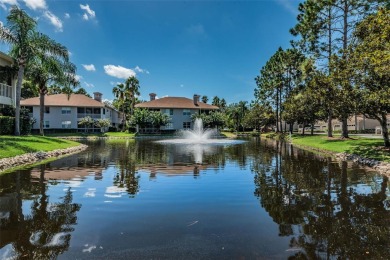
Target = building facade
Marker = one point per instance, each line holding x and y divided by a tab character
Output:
63	112
354	123
7	83
179	109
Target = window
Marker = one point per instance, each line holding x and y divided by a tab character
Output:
46	124
168	111
80	110
169	126
66	124
186	125
66	110
186	112
104	111
47	110
96	111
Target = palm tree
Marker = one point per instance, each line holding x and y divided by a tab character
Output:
46	69
216	101
132	88
26	43
120	94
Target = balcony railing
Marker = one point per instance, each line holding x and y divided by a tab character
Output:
94	116
5	90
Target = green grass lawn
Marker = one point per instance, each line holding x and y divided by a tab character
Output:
119	134
228	134
364	147
16	145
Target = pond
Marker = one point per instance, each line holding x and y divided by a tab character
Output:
140	199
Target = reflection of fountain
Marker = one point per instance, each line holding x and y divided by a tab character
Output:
199	136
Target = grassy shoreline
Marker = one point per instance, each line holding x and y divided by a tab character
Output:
11	146
363	147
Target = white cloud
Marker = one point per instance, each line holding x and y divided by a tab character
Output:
8	2
287	4
119	71
78	77
138	69
89	85
90	67
67	16
54	20
36	4
89	13
115	83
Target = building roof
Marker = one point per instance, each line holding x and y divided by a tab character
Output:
175	102
6	57
62	100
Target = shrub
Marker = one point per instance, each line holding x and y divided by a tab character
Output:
6	125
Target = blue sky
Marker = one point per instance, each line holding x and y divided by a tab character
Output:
175	48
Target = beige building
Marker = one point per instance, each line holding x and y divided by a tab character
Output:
179	109
7	86
63	112
354	123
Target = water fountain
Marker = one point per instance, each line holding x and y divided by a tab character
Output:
199	135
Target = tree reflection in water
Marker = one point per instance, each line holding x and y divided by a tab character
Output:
45	232
325	217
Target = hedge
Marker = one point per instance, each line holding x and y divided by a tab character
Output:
6	125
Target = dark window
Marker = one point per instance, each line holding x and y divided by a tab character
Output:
47	110
96	110
186	125
104	111
80	110
66	110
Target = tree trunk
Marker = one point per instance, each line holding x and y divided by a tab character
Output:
41	111
291	127
356	124
123	119
17	99
344	128
344	125
312	129
330	114
385	132
280	109
330	124
277	111
303	129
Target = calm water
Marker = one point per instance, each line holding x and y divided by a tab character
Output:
138	199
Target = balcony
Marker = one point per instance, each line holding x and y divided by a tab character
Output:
6	94
94	116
